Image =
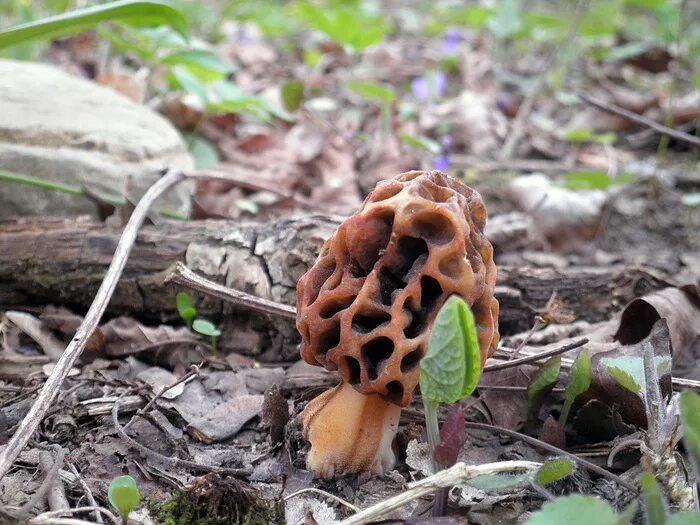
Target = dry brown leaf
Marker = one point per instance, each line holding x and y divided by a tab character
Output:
226	419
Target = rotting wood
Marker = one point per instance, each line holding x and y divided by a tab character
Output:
63	261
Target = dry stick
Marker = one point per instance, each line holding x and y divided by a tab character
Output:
536	357
182	275
454	475
555	450
48	393
86	490
46	517
194	370
679	383
322	493
170	461
48	483
635	117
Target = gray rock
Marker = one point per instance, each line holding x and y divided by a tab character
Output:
65	129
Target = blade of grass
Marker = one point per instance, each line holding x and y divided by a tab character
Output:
74	21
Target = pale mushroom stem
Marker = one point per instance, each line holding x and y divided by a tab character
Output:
350	433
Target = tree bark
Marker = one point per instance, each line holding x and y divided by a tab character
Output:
62	261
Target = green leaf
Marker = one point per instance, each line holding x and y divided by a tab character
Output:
293	94
450	370
421	142
204	327
343	24
594	180
692	200
579	382
684	518
154	12
629	370
204	152
500	482
185	307
123	494
186	80
654	504
383	93
554	470
574	510
203	65
586	135
690	416
545	379
625	379
506	22
578	135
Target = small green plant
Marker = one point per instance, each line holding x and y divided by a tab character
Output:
207	328
188	312
542	384
449	371
124	495
579	382
185	308
346	25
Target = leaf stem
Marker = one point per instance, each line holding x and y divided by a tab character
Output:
432	429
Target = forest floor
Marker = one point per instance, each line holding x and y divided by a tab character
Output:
594	214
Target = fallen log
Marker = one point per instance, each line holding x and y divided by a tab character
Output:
62	262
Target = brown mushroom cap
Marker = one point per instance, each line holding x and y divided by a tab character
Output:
367	305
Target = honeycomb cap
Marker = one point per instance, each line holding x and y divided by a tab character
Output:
367	305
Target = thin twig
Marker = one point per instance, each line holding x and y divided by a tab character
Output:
45	487
183	276
640	119
679	383
172	462
322	493
480	164
454	475
539	323
194	371
536	357
555	450
52	516
45	399
86	490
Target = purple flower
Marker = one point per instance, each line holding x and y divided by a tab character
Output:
451	41
429	87
442	161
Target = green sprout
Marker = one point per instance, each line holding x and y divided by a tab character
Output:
124	495
451	368
204	327
185	308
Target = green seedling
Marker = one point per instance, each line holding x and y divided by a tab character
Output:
579	382
185	308
204	327
124	495
542	384
554	470
451	368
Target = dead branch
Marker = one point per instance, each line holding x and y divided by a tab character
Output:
640	119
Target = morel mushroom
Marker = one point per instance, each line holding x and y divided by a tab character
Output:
367	305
